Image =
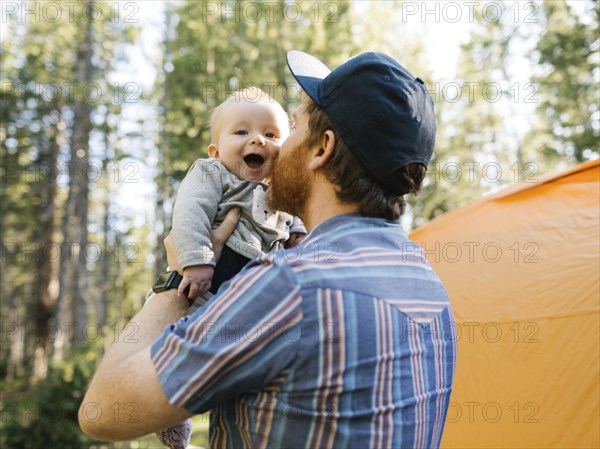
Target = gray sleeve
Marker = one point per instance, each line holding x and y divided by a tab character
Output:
195	208
297	226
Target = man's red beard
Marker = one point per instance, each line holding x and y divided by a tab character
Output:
290	184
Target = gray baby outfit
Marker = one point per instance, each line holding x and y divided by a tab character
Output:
205	195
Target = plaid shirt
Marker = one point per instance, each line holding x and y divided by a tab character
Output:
347	340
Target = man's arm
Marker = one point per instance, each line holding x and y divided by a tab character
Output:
125	399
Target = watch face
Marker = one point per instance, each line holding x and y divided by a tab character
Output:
166	281
163	279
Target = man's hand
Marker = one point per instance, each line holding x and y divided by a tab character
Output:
171	258
218	237
198	277
295	238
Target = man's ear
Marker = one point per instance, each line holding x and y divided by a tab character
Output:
213	151
321	153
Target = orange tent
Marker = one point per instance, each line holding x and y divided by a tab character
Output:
522	269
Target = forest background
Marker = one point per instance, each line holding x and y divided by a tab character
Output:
104	106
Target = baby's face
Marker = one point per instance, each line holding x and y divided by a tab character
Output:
248	136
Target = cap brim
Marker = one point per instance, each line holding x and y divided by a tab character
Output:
308	71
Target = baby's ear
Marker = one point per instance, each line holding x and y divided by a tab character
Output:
213	151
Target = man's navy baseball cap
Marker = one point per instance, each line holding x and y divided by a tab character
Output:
383	113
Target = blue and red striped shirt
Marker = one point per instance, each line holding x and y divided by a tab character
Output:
345	341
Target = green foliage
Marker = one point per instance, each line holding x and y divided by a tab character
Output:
472	130
29	131
47	416
569	112
41	88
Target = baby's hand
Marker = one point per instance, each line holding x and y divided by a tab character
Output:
198	277
295	238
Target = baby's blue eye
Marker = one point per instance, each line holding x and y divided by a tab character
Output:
270	135
241	132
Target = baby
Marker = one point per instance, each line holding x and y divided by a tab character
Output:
246	132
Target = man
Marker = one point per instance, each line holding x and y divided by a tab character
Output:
345	340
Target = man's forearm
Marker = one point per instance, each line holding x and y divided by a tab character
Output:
163	308
125	379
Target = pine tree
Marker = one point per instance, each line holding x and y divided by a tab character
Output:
569	61
48	98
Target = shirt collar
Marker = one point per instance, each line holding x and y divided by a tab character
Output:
347	221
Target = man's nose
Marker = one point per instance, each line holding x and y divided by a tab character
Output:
258	139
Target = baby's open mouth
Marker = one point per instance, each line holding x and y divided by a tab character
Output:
254	161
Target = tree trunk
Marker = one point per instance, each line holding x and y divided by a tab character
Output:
73	279
164	189
102	303
44	293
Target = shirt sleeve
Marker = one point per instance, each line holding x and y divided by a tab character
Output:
238	342
198	199
297	226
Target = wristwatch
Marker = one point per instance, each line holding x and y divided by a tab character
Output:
168	280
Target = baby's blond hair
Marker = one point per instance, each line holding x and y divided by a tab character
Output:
250	94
